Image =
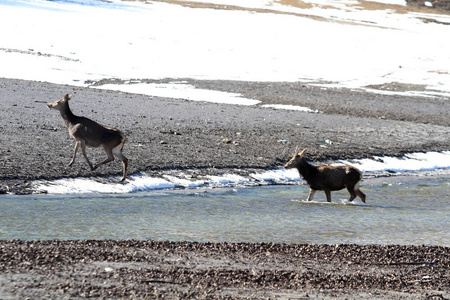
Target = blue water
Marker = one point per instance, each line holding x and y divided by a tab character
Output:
409	210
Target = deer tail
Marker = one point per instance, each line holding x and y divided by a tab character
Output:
123	139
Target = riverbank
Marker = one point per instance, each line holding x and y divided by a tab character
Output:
149	269
165	133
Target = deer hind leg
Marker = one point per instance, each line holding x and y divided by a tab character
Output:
110	158
360	194
117	151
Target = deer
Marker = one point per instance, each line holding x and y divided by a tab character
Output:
86	132
327	178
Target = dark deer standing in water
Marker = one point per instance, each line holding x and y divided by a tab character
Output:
86	132
327	178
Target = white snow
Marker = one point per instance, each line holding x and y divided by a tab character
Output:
181	91
290	107
341	42
411	162
145	182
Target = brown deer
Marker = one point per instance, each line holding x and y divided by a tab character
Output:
86	132
327	178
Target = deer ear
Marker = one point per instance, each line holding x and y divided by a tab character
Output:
67	97
301	153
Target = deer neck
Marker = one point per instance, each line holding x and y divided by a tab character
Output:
67	115
307	170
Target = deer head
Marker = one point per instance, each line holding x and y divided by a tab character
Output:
59	104
295	160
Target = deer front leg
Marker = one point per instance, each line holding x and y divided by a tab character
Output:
328	194
311	194
83	150
77	145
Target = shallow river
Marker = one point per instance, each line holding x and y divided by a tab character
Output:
404	210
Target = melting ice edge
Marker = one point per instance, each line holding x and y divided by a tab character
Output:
193	178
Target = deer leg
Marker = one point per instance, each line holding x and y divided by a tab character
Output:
328	194
361	195
351	190
77	145
118	153
83	150
110	158
358	192
311	194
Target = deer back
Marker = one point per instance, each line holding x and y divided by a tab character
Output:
93	133
337	177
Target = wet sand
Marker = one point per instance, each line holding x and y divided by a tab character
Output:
176	134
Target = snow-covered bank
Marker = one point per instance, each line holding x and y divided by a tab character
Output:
183	179
181	90
345	43
410	162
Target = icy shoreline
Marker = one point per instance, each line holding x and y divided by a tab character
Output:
413	163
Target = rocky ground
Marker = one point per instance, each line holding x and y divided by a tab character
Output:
167	134
174	270
442	5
